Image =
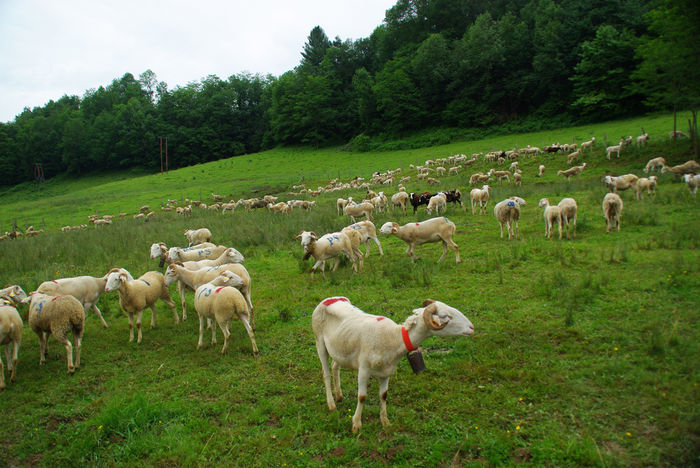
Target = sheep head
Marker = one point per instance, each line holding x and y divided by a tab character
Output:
389	228
543	202
16	294
115	280
234	256
444	320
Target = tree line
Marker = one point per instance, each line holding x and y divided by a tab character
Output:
430	64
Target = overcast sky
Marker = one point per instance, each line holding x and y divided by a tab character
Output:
49	48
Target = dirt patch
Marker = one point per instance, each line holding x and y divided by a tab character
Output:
337	452
522	455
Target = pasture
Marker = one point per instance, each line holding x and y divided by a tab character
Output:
585	351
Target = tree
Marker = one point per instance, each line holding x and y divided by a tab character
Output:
315	49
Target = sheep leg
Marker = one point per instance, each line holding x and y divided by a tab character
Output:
131	327
444	251
69	351
379	246
362	379
337	390
2	371
336	261
323	356
559	226
78	343
383	392
153	315
168	300
201	332
181	292
99	315
246	296
224	325
139	314
213	332
43	338
502	231
249	329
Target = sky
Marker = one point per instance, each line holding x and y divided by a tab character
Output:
49	48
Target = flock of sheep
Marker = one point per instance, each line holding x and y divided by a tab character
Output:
352	338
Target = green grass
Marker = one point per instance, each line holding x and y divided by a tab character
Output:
585	351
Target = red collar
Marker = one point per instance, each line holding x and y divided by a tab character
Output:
407	340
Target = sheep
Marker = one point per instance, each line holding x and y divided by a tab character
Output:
588	144
197	236
508	212
57	315
136	295
373	345
326	247
643	183
540	170
692	181
280	207
569	213
192	279
399	199
436	202
440	171
453	170
626	141
100	222
518	179
86	289
673	134
431	230
479	178
432	181
622	182
612	209
480	196
643	139
513	166
10	330
613	149
655	163
230	255
160	250
216	197
368	232
688	167
359	209
572	171
380	202
221	300
340	205
176	254
550	215
573	157
500	175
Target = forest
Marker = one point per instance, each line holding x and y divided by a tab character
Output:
431	64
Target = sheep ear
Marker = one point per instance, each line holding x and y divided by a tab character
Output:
123	277
313	234
427	302
179	264
298	236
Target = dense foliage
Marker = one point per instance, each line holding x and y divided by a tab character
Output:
431	63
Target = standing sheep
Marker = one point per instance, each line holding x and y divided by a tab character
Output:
399	199
10	330
612	209
326	247
551	215
692	181
431	230
643	183
569	213
367	232
480	197
197	236
508	212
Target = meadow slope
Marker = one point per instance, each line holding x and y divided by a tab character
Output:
585	351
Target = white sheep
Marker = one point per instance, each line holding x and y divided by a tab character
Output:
380	202
622	182
508	212
373	345
480	197
642	139
572	171
10	330
197	236
432	230
367	232
540	170
221	300
644	183
328	246
551	215
400	199
176	254
518	179
340	205
692	181
57	315
655	163
359	209
612	209
230	255
160	250
569	212
676	134
588	144
613	149
136	295
436	202
688	167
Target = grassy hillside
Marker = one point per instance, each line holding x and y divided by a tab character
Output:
585	351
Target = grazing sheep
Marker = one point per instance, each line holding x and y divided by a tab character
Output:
176	254
436	202
197	236
508	212
230	255
340	205
588	144
431	230
622	182
500	175
518	179
373	345
573	157
692	181
643	183
57	315
479	178
676	134
688	167
612	209
432	181
454	170
569	213
399	199
367	232
613	149
440	171
480	197
572	171
540	170
221	300
160	250
656	163
326	247
136	295
550	215
10	330
359	209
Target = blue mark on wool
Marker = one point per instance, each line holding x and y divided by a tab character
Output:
511	203
330	239
40	306
145	281
206	292
206	252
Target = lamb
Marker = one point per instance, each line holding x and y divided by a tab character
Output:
551	214
436	202
440	171
221	300
573	157
688	167
192	279
57	315
572	171
10	330
340	205
399	199
656	163
643	183
480	196
569	213
454	170
540	170
197	236
518	179
136	295
86	289
326	247
380	202
176	254
612	209
622	182
508	212
642	139
613	149
587	144
692	181
368	232
359	209
431	230
374	345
